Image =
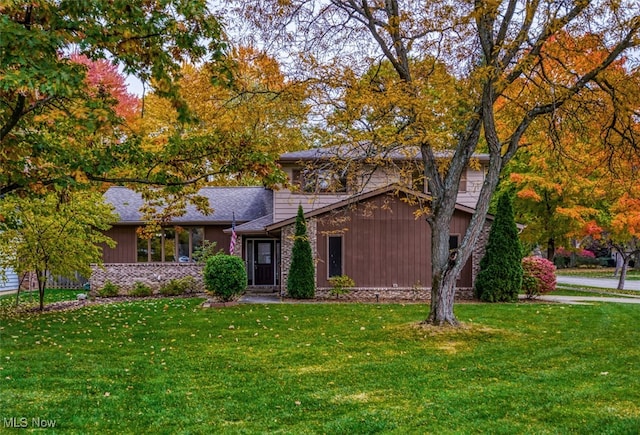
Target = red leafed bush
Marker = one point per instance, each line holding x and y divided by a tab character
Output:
539	276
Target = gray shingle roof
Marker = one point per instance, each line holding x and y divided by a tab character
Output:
248	203
255	226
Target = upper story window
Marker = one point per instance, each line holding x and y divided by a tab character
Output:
319	181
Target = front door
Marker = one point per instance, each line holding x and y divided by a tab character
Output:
263	259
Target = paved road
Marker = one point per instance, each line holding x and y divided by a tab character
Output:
586	300
611	283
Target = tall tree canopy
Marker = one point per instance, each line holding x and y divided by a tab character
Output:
55	130
495	52
244	120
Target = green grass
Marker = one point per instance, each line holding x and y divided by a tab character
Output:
169	366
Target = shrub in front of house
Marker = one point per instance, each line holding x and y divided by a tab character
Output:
500	276
225	276
301	280
539	276
341	285
108	290
178	286
140	290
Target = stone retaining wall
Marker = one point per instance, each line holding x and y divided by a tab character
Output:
125	275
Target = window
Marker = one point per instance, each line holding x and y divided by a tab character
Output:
335	256
170	244
463	182
454	242
264	253
319	180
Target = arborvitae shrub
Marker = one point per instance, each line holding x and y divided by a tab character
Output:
225	276
539	276
301	280
140	290
500	276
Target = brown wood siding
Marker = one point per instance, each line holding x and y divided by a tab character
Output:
215	234
125	249
384	244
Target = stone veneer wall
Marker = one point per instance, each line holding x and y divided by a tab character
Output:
287	236
479	250
385	294
125	275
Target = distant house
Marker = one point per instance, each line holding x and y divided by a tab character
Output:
364	229
8	280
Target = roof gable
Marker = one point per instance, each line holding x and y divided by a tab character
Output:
392	188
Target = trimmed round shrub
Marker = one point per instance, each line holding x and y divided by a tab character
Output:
225	276
539	276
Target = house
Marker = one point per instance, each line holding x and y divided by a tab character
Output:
8	280
361	223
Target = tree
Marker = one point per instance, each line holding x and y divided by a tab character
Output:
500	276
493	49
55	130
559	193
57	234
245	120
301	282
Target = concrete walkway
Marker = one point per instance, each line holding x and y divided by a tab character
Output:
260	298
610	283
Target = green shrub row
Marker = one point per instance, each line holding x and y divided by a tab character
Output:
174	287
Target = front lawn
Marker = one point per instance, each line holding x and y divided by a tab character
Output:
169	366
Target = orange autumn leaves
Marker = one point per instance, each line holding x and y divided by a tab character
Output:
576	173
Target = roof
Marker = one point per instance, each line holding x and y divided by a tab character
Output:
247	203
362	151
256	226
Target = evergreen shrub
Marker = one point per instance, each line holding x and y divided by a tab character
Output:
225	276
500	276
301	280
109	290
140	290
178	286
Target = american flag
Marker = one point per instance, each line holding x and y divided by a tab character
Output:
234	236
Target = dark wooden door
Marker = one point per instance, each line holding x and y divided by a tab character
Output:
263	262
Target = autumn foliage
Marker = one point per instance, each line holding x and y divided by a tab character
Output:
539	276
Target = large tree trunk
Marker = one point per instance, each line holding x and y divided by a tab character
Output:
443	283
42	282
551	249
623	271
